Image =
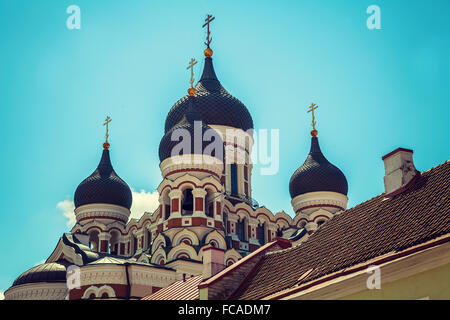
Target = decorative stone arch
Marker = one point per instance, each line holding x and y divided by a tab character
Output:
185	234
93	224
143	258
106	290
159	257
132	225
320	214
300	219
182	248
98	292
92	290
244	207
283	220
241	213
231	256
263	218
159	242
216	238
115	225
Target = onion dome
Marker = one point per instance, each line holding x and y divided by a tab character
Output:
46	272
103	186
317	174
190	119
215	105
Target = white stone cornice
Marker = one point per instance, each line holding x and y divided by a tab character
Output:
319	198
37	291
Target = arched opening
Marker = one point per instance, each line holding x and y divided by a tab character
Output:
149	238
135	244
261	233
234	179
241	226
186	241
105	295
93	240
114	242
320	222
182	255
214	243
301	224
165	205
188	202
209	199
92	296
229	262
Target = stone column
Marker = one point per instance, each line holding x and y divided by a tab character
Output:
103	239
175	202
199	201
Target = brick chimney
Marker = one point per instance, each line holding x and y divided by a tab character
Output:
213	261
399	170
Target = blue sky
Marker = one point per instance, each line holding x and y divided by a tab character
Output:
376	90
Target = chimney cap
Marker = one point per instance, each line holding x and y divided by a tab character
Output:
395	151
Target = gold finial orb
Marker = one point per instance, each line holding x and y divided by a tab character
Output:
191	91
208	52
106	145
314	133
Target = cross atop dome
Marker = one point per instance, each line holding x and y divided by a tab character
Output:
192	63
106	123
208	52
311	109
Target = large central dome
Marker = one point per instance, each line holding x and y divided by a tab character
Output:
215	105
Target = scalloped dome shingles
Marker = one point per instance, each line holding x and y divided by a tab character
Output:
215	105
317	174
103	186
187	123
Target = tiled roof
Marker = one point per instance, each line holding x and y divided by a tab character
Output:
180	290
373	228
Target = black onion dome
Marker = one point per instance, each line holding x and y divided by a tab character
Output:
46	272
103	186
188	122
215	105
317	174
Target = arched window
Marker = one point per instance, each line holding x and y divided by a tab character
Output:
319	223
92	296
188	202
186	241
214	243
261	233
134	249
105	295
241	229
93	240
229	262
233	176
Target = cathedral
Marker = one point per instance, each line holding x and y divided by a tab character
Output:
209	239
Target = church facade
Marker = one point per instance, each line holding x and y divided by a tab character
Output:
205	207
208	238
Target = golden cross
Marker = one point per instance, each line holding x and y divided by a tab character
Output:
192	63
313	107
208	20
107	121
